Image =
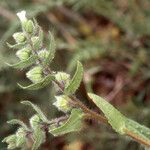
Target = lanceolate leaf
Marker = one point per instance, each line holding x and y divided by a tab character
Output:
44	82
24	64
37	109
51	49
138	130
17	46
115	118
76	80
74	123
19	122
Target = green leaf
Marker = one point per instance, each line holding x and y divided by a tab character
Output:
19	122
51	49
39	138
24	64
16	46
37	109
73	124
43	83
76	80
115	118
139	130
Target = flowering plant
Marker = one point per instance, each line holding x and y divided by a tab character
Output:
33	55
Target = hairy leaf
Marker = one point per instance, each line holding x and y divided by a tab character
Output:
24	64
39	138
140	131
17	46
76	80
37	109
51	49
74	123
19	122
115	118
43	83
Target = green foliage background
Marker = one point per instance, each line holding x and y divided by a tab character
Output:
99	33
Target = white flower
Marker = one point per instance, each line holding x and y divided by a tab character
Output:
22	16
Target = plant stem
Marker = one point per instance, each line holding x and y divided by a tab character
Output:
77	103
137	138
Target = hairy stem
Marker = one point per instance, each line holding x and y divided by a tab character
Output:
77	103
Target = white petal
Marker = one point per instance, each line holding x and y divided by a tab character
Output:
22	16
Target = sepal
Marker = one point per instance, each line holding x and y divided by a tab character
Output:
24	64
73	85
39	85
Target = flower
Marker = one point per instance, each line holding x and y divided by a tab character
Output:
22	16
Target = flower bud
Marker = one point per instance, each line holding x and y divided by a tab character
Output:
23	54
62	103
43	54
34	121
19	37
62	77
35	74
29	26
36	42
20	137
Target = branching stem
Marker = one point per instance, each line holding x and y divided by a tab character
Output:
77	103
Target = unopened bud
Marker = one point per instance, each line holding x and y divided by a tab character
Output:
35	74
23	54
62	103
43	54
29	26
62	77
35	121
19	37
36	42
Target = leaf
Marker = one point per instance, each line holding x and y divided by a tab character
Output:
43	83
16	46
76	80
115	118
19	122
51	49
24	64
140	131
37	109
74	123
39	138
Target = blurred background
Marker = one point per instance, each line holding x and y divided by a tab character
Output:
110	37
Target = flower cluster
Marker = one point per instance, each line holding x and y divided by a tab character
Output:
34	55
